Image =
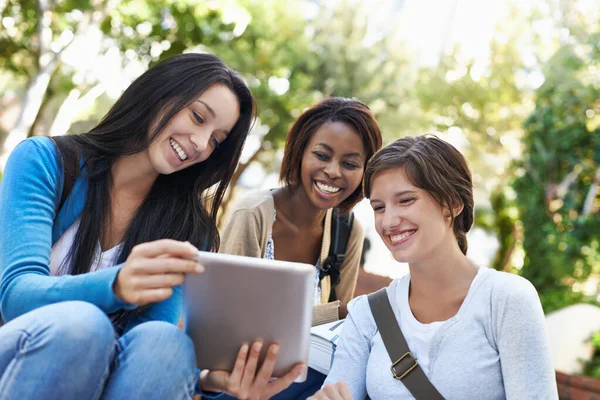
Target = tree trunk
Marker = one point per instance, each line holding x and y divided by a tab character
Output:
71	106
225	204
48	61
48	96
29	111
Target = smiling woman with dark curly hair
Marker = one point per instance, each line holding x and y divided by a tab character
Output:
323	165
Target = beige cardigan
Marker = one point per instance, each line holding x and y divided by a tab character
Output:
247	232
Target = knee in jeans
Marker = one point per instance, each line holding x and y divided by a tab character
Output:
167	343
83	325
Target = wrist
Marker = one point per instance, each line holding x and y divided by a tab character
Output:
117	288
204	381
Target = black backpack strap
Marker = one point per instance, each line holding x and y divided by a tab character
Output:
70	162
341	228
405	366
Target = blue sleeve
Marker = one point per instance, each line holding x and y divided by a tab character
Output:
169	310
28	197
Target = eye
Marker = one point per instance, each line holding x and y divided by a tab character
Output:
215	142
407	201
197	117
350	165
378	208
321	156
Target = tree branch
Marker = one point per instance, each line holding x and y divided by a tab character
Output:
232	185
44	32
560	190
588	204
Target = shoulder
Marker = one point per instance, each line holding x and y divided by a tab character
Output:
507	287
512	298
359	311
37	156
255	209
39	147
358	232
256	202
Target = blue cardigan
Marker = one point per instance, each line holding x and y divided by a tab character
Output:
29	195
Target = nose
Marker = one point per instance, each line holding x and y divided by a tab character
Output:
200	140
391	219
332	169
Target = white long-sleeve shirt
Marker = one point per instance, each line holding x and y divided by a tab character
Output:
495	347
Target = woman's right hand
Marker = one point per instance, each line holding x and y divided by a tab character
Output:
247	381
333	391
153	268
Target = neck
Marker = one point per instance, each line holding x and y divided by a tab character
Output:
133	174
445	270
297	208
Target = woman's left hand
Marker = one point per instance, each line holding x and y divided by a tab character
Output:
244	382
333	391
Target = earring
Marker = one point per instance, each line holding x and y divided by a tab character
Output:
448	217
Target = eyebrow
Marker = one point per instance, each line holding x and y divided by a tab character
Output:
401	193
327	147
209	108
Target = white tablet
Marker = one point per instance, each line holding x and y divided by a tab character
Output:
239	299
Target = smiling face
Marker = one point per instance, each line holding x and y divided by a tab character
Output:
332	165
410	221
195	131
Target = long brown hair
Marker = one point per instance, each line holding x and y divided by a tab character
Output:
435	166
176	206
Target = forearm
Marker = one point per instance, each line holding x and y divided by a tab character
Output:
23	290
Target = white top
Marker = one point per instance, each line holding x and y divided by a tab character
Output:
270	255
418	335
61	248
495	347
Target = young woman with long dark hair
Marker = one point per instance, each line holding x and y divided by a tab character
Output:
90	284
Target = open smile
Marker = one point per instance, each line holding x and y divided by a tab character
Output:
327	190
178	149
398	238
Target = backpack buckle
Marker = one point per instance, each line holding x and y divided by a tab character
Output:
333	259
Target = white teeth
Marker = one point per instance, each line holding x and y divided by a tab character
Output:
178	150
404	235
327	189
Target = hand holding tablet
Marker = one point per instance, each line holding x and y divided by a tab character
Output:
239	300
245	382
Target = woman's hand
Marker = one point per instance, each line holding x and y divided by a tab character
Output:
244	382
333	391
153	268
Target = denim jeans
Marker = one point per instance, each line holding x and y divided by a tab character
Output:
69	350
296	391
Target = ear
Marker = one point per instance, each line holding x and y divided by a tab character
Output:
456	210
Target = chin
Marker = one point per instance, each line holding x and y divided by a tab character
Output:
403	256
322	204
401	259
163	168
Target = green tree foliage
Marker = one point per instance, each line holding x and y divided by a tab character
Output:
557	190
28	23
591	367
358	57
484	102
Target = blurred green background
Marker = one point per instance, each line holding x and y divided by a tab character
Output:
514	85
